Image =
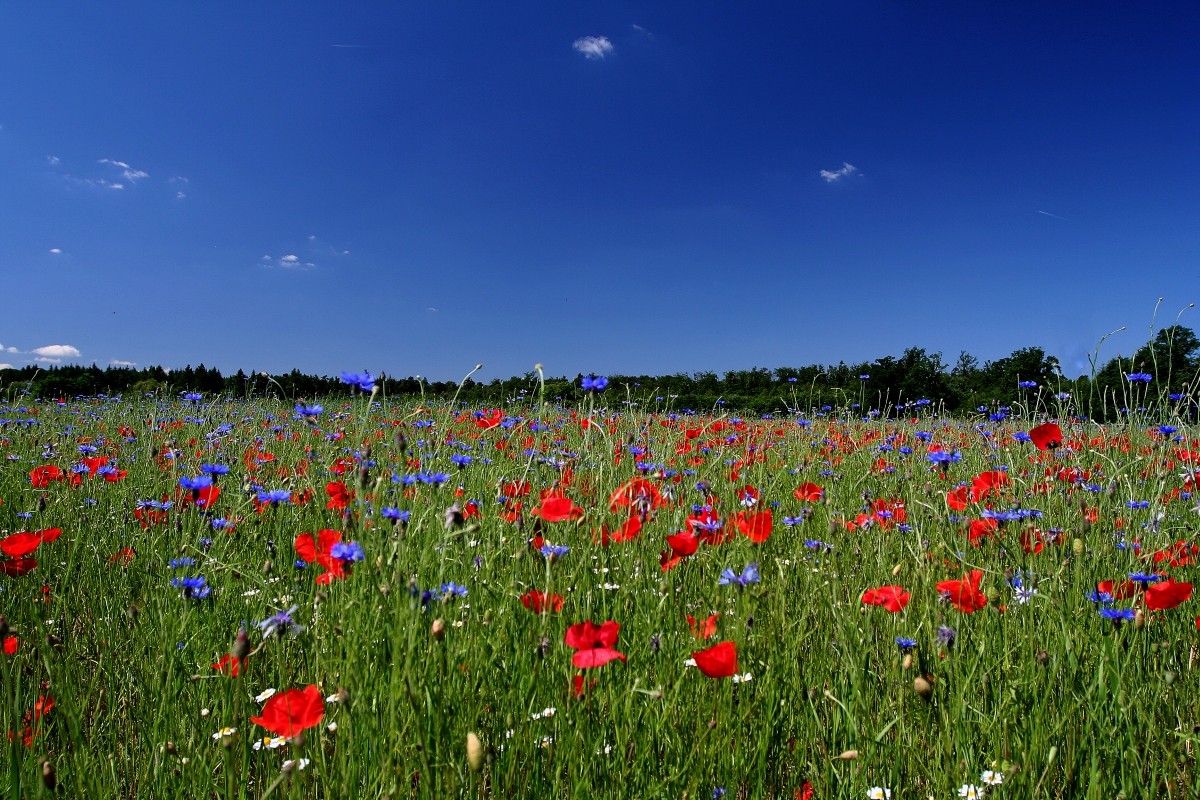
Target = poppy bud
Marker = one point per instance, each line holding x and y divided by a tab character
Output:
41	503
848	755
922	687
908	661
172	749
712	723
474	752
267	565
384	589
241	646
4	628
896	570
833	527
401	442
337	630
438	629
1077	546
49	778
1043	657
1169	677
321	597
1139	618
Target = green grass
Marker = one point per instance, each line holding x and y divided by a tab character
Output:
1060	701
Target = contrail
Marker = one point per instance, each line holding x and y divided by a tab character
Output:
1056	216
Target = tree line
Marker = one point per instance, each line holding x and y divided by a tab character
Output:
1028	377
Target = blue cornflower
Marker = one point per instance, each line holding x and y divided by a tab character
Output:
196	483
1137	503
220	523
946	636
1027	384
1117	614
274	496
158	505
193	588
309	411
905	643
364	380
1166	430
214	469
453	589
793	520
718	793
80	469
347	552
749	575
1145	578
1139	377
1099	598
185	561
280	622
86	448
1022	436
395	514
814	544
864	377
554	550
1175	396
944	459
595	384
460	459
195	397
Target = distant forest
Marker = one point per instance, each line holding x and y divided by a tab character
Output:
889	384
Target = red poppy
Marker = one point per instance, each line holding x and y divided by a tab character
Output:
593	643
41	476
94	464
538	602
682	545
893	598
18	566
230	665
558	509
125	555
339	495
1167	594
981	528
637	493
319	550
958	499
20	544
755	526
1047	436
626	533
289	713
489	420
988	483
718	661
808	492
964	593
10	645
1121	591
706	629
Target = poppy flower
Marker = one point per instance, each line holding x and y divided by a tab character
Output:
718	661
42	476
339	495
636	493
489	420
320	550
594	644
1167	594
981	528
988	483
18	566
10	645
958	499
682	545
288	713
808	492
755	526
893	598
230	665
706	629
964	593
626	533
558	509
1047	436
537	602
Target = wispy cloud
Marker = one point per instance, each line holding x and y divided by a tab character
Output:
594	46
116	362
127	172
55	250
52	160
286	262
642	30
838	174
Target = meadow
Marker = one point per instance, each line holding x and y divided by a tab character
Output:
216	597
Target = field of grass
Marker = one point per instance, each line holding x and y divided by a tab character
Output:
441	647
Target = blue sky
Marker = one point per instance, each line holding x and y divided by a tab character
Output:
599	187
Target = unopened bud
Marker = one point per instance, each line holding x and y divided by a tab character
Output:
474	752
172	749
1139	618
241	646
438	629
4	628
848	755
1042	657
908	661
896	570
49	778
922	687
1077	546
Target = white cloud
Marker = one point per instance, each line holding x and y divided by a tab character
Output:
128	173
11	350
594	46
180	195
431	309
55	250
290	259
837	174
118	363
7	366
57	351
52	159
287	262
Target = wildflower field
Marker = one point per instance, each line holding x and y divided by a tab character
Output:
210	597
